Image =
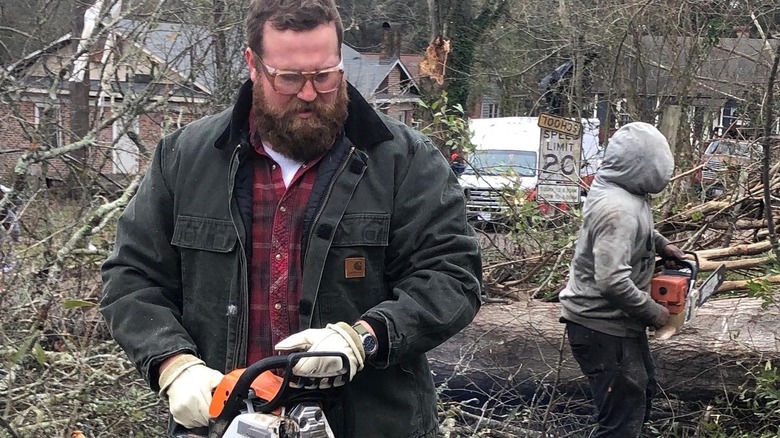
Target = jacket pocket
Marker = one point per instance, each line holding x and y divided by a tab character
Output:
209	274
204	234
363	229
353	278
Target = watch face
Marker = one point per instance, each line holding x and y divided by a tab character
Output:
369	345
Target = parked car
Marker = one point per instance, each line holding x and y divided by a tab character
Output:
722	161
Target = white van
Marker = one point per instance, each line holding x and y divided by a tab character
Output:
506	156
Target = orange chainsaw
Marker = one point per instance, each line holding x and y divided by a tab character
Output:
267	400
675	288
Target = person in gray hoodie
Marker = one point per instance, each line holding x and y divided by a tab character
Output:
606	304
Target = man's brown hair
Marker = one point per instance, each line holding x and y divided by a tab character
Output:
296	15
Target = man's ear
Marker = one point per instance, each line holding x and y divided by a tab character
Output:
249	56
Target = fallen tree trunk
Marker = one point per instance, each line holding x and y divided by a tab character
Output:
516	348
707	265
737	285
736	250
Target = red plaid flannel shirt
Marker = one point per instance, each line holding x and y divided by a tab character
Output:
276	267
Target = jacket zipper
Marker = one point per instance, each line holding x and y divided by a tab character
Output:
319	214
327	195
243	293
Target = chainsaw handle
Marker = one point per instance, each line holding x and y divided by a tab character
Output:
695	258
692	265
690	253
287	393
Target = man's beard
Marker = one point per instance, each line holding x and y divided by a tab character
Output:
297	138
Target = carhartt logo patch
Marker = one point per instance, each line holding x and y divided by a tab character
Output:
355	267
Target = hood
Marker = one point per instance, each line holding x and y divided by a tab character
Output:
496	182
638	159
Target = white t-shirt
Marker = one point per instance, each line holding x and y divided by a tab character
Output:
288	165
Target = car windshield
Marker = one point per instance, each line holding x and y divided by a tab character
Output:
502	162
731	148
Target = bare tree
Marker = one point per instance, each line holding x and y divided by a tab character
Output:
149	71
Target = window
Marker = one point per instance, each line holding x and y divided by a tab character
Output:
502	162
405	116
125	151
621	112
728	115
49	124
490	110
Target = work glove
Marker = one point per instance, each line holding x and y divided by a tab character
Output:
188	384
334	338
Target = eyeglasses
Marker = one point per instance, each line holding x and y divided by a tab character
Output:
291	82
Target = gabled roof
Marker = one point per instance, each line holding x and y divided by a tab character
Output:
367	72
185	48
30	58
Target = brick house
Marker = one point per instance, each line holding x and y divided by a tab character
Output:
131	79
157	78
385	81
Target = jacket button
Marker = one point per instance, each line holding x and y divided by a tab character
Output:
278	257
278	306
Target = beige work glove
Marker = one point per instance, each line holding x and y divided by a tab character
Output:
334	338
188	384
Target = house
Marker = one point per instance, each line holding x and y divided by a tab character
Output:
150	79
728	77
144	78
384	78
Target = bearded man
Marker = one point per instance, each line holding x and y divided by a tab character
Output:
299	219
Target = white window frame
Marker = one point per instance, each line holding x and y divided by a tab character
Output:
57	123
124	153
490	110
622	117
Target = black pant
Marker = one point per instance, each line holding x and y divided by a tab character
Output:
621	375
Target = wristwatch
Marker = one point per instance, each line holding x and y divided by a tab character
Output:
370	344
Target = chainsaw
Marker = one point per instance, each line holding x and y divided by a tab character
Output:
261	402
675	288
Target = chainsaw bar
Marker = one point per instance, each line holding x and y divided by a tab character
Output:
701	294
711	284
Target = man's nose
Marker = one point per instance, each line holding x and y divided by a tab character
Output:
307	93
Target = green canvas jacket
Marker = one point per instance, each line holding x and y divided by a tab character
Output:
177	279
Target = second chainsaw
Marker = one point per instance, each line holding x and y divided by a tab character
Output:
675	288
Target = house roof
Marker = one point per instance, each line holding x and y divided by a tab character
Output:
187	50
367	72
31	57
177	45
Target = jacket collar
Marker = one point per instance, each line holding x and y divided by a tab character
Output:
363	126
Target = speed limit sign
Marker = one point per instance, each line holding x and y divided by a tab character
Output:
560	156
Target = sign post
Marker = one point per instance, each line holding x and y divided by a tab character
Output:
560	157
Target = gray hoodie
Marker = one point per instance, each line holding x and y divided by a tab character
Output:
609	278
